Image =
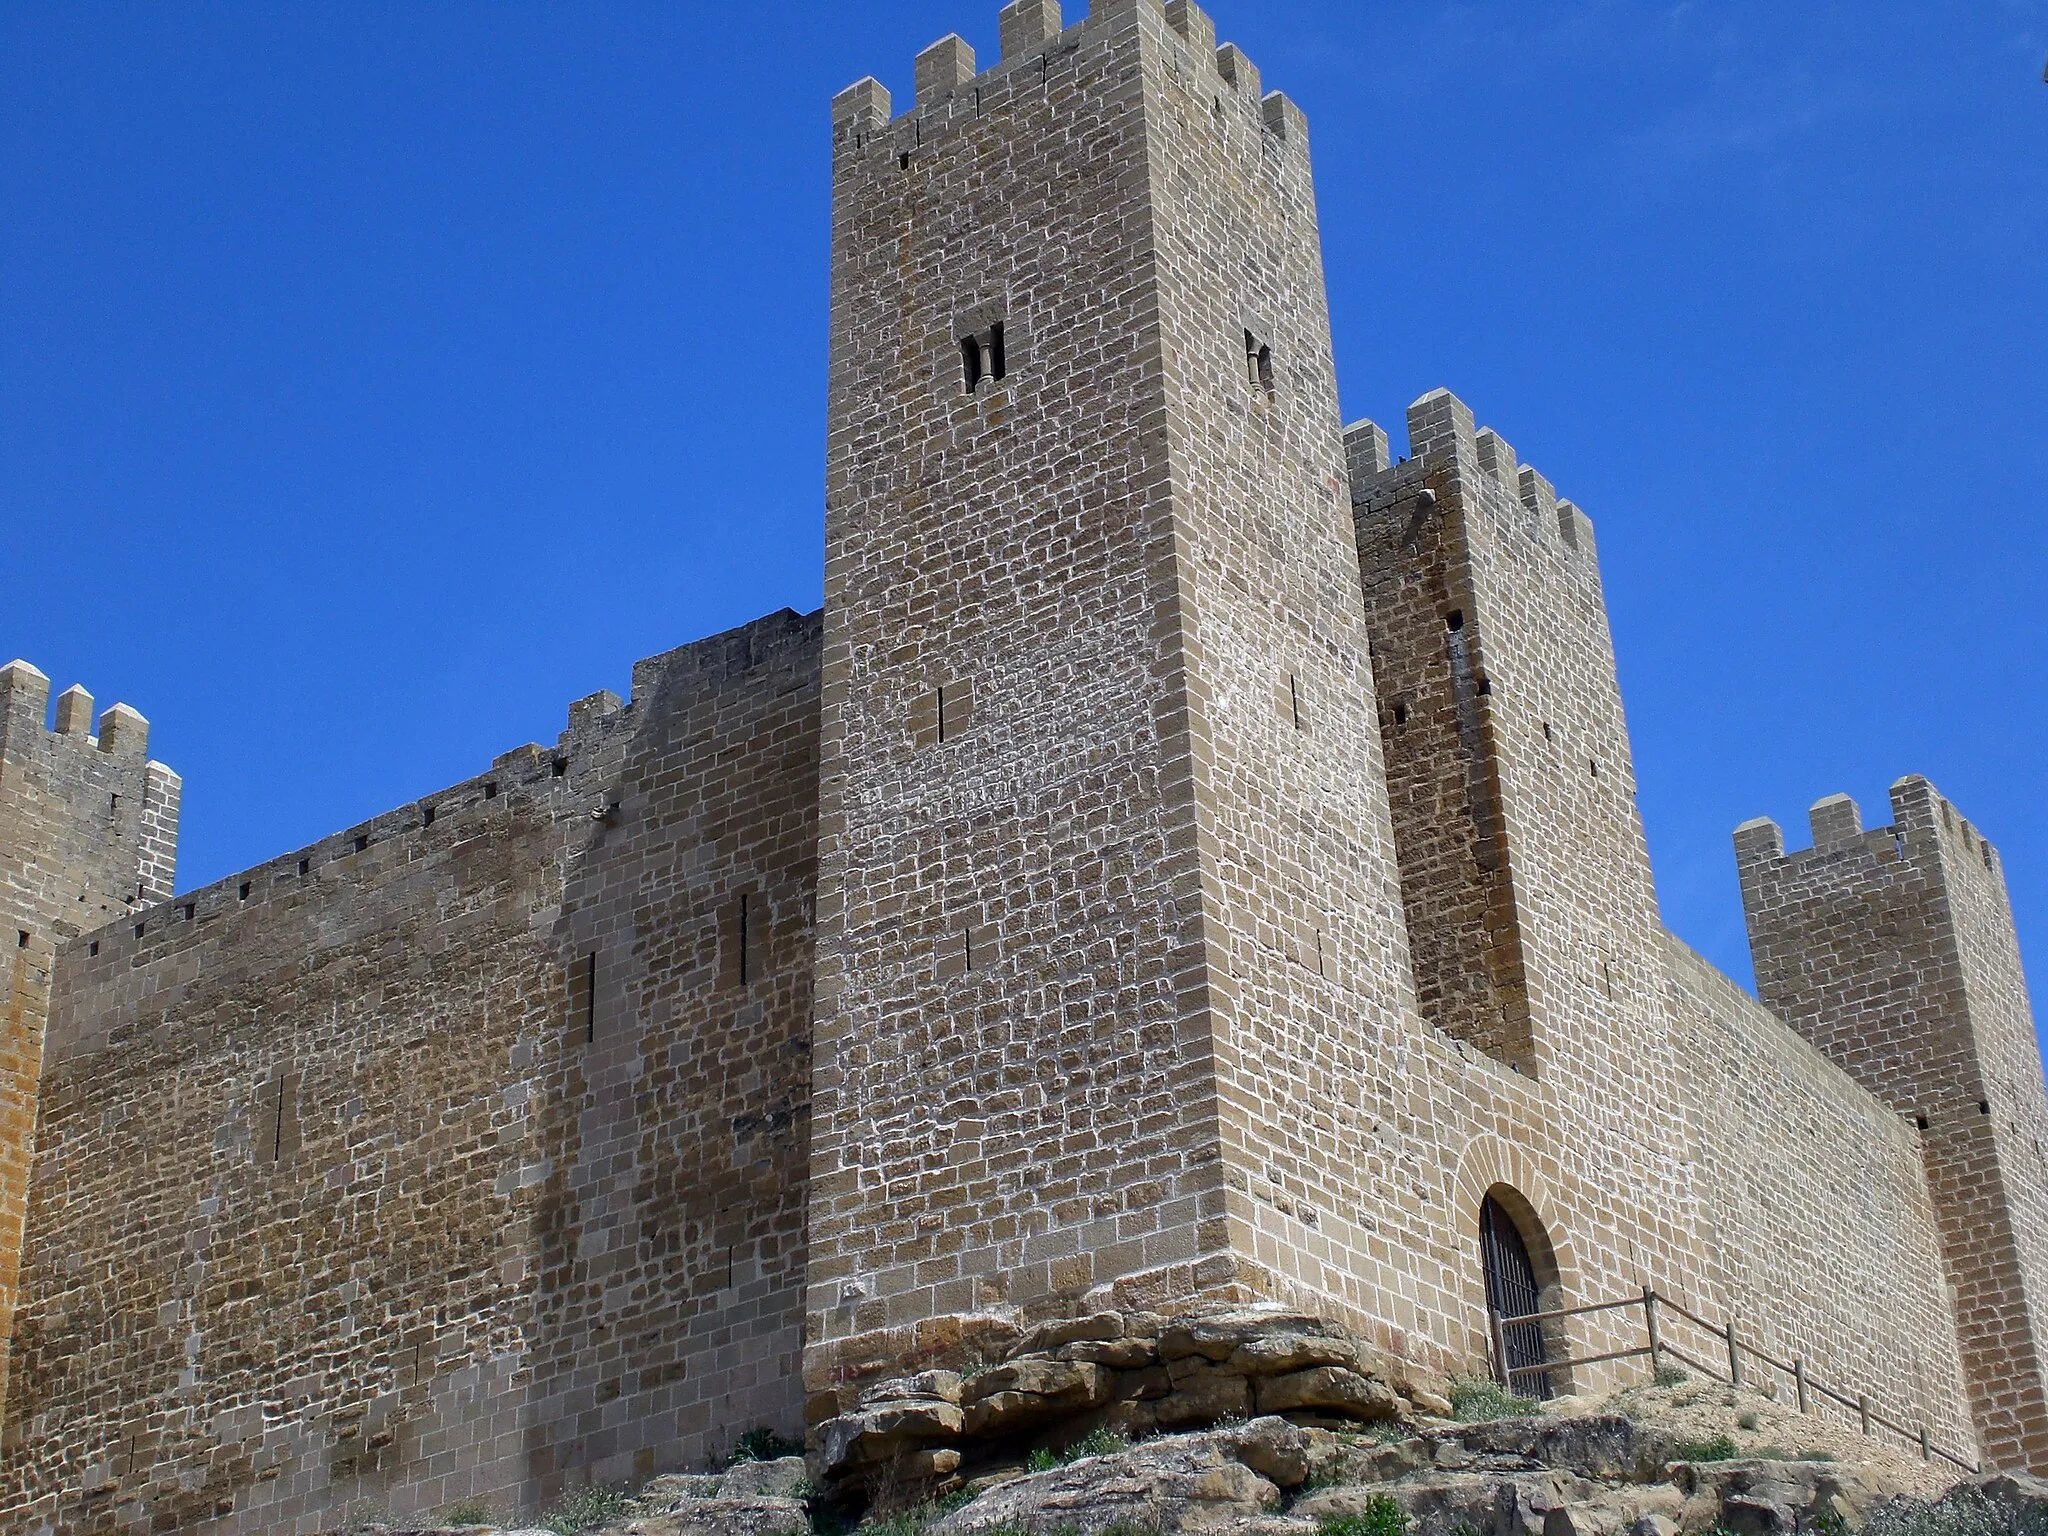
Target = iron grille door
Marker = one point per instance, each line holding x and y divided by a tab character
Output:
1511	1292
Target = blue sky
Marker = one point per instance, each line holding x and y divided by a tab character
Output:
374	379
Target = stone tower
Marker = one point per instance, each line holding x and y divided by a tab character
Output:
1893	950
1108	922
88	831
1525	877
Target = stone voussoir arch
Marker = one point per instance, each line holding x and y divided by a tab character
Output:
1490	1165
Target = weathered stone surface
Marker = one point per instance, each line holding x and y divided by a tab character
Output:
1024	1392
1602	1445
1328	1389
777	1479
1220	1336
1185	1484
727	1517
1048	1338
1275	1354
1203	1396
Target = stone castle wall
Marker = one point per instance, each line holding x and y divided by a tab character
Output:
351	1190
1893	951
1524	875
88	830
1816	1209
1189	858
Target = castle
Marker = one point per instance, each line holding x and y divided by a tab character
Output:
1191	855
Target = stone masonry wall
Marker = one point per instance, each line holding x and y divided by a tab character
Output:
1013	1092
1524	872
1816	1210
88	829
1893	951
351	1190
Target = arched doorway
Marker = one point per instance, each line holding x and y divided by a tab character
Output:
1512	1290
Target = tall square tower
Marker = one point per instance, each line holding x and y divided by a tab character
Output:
1109	923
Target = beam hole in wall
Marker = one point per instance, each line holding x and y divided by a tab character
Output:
561	767
93	948
1547	736
362	841
191	910
305	866
1454	620
242	892
1400	714
490	791
1921	1121
903	161
427	814
1485	686
140	928
21	939
1593	767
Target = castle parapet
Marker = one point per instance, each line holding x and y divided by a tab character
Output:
1443	432
947	73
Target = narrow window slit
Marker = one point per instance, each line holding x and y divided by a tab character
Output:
21	938
427	814
243	893
305	867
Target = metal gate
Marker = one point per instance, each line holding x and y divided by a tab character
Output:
1511	1292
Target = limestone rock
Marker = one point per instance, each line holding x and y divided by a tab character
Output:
1278	1353
727	1517
1048	1338
777	1479
1328	1389
1029	1391
1185	1484
1218	1336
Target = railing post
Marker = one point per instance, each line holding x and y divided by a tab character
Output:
1799	1380
1500	1349
1925	1453
1656	1339
1863	1410
1734	1356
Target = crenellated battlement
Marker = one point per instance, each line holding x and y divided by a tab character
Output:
1443	432
950	86
1924	822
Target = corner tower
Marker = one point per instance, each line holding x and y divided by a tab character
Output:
1109	931
88	832
1893	951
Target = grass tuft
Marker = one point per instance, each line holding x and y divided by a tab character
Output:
1719	1448
1381	1516
584	1509
1481	1399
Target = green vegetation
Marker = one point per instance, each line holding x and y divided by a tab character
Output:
584	1509
1480	1399
1099	1442
1966	1512
1671	1376
1381	1516
468	1512
1720	1448
912	1522
762	1444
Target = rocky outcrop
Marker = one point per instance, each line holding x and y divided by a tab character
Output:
1135	1374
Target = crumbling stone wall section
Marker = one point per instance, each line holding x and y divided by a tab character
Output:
88	831
1524	872
351	1191
1893	951
1816	1208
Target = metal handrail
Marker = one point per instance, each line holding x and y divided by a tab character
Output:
1657	1347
